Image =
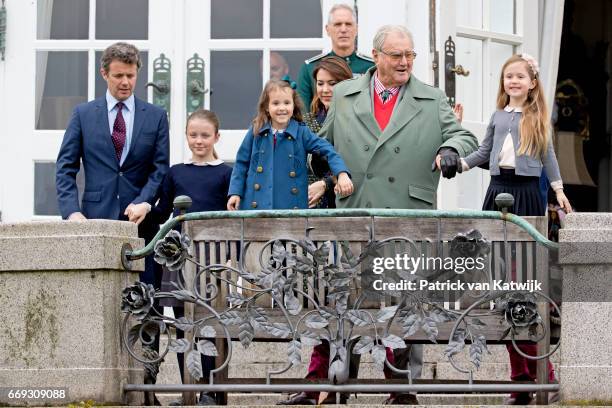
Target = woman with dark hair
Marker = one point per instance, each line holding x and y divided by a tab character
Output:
327	74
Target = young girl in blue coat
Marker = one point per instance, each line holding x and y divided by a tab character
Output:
517	145
271	170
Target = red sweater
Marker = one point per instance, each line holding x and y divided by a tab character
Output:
382	113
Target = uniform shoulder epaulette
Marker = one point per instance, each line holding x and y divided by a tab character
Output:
365	57
315	58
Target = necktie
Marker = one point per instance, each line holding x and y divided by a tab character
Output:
384	95
118	134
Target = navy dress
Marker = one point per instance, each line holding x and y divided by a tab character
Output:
207	187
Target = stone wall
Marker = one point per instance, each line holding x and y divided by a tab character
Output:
60	296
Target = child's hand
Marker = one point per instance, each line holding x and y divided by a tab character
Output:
344	187
458	111
315	192
233	203
137	212
563	201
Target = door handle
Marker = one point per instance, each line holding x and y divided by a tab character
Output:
161	82
459	70
196	84
160	86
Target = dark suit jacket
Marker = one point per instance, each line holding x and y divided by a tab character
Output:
110	188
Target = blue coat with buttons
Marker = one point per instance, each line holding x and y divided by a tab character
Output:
275	177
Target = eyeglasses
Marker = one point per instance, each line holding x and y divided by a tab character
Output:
396	56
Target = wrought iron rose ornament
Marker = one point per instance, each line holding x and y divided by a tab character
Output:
172	251
469	245
520	311
137	299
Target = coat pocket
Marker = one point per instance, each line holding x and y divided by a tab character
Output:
421	193
92	196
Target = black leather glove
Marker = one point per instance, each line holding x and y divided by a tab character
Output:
450	163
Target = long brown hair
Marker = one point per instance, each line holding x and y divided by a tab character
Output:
534	126
339	71
209	116
264	100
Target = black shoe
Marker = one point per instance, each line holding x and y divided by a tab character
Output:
298	399
402	399
206	399
524	398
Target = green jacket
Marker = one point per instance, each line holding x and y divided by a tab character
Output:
392	169
357	62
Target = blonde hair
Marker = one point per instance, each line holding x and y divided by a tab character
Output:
264	100
534	126
209	116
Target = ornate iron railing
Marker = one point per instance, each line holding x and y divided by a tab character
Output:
283	273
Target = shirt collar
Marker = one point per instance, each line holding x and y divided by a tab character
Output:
509	108
111	102
380	88
215	162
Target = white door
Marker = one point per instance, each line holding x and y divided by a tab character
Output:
52	64
485	34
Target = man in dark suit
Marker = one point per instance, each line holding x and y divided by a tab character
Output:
123	143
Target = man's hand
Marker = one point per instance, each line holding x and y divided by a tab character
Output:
137	212
448	162
344	187
76	216
458	111
315	192
233	203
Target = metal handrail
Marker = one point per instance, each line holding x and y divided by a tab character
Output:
322	213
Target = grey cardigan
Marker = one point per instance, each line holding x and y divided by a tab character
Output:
525	165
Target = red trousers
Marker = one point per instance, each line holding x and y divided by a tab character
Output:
319	364
525	369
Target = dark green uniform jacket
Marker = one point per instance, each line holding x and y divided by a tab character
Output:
358	63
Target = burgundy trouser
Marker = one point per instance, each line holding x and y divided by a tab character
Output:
319	364
525	369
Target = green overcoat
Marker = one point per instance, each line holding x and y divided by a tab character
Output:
392	168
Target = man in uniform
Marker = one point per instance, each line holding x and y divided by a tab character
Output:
342	29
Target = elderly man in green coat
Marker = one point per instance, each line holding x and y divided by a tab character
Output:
388	127
393	131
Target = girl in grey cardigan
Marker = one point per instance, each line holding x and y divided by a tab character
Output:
517	143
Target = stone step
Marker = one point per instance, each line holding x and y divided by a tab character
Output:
257	399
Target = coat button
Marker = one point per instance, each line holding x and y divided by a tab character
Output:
292	174
289	138
366	148
254	204
260	169
294	190
257	187
369	175
396	149
296	208
120	174
368	205
391	179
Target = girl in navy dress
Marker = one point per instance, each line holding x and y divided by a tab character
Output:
205	179
517	145
270	170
